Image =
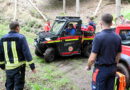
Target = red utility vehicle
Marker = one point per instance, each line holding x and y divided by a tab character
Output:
57	42
124	64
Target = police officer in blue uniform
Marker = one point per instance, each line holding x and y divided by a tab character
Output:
14	55
106	50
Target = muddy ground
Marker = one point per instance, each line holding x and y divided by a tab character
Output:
74	68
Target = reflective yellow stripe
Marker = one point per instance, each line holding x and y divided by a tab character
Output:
13	66
2	62
71	39
16	64
14	51
28	63
115	86
53	41
88	38
6	53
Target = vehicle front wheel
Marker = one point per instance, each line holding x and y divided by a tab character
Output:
123	69
86	51
38	53
49	55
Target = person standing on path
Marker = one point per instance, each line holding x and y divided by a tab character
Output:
122	19
106	50
14	55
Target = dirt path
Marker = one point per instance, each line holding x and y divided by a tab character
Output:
73	68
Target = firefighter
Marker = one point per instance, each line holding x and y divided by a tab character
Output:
106	50
47	26
14	55
91	23
122	19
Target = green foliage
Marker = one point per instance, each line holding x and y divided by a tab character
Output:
49	78
31	26
27	29
63	14
31	23
128	1
3	29
35	87
34	13
127	14
37	25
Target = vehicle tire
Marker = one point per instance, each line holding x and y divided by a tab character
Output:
123	69
87	50
49	55
38	53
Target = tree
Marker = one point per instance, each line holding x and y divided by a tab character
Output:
15	10
118	8
77	7
64	6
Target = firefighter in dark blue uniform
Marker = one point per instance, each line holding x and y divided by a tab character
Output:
105	54
14	56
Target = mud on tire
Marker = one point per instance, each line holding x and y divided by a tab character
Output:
38	53
49	55
86	51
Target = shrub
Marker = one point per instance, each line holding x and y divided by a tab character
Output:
26	28
34	13
126	14
31	26
128	0
31	23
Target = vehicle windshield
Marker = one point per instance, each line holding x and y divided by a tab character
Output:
125	36
57	27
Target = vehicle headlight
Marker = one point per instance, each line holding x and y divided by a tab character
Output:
47	39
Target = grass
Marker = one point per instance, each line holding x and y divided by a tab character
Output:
3	30
48	77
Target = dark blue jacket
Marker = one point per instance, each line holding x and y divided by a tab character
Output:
107	44
14	51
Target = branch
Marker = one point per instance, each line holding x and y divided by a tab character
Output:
44	17
99	4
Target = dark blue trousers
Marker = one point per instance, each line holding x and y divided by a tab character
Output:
103	77
15	78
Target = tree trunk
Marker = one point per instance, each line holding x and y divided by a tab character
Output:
77	7
98	7
118	8
64	6
15	10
